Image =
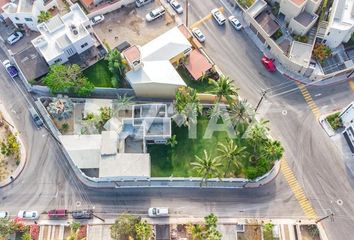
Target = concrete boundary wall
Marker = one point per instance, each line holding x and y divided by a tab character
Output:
110	8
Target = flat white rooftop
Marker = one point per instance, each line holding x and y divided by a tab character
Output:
343	14
300	53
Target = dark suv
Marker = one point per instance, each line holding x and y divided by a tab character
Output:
82	214
35	117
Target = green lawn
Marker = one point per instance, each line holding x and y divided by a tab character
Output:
99	74
200	86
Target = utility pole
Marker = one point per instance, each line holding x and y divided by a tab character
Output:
187	3
260	100
329	215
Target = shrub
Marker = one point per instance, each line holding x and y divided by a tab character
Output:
335	121
65	127
277	34
300	38
275	8
321	52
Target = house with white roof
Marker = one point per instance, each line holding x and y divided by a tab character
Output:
341	23
24	13
64	36
152	71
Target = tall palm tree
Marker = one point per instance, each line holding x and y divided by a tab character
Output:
223	87
187	105
206	166
122	102
272	150
172	141
257	133
241	112
216	111
232	153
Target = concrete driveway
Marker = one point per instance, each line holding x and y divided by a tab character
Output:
128	24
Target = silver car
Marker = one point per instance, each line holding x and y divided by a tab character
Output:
198	34
31	215
235	23
176	6
4	215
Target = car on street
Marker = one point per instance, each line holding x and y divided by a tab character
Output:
96	19
31	215
176	6
235	23
82	214
15	37
58	214
35	117
218	16
4	215
158	212
197	33
10	69
140	3
156	13
268	63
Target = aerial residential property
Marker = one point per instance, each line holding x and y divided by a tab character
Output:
176	119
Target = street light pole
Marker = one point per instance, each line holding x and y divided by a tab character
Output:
187	3
260	100
329	215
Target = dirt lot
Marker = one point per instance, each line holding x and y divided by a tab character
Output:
128	24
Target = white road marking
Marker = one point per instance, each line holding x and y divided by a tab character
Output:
319	94
225	6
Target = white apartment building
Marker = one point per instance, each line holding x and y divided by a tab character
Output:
64	36
341	23
24	13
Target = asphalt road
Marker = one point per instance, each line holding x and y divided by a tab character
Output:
47	181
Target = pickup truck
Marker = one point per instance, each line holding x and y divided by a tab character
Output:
11	69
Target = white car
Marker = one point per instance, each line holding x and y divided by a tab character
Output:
33	215
198	35
158	212
235	22
154	14
15	37
218	16
97	19
140	3
4	215
176	6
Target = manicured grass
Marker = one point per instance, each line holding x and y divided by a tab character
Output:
334	121
202	86
99	74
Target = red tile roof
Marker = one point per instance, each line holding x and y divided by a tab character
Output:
86	3
132	53
197	64
298	2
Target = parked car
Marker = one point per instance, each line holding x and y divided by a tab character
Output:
31	215
140	3
176	6
198	34
96	19
82	214
35	117
15	37
268	63
58	214
218	16
4	215
158	212
10	69
156	13
235	23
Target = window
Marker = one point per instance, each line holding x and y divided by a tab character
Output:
17	18
29	19
57	60
84	45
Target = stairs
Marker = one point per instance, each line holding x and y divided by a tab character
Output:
321	29
312	35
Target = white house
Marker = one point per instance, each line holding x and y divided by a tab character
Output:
64	36
152	72
24	13
341	23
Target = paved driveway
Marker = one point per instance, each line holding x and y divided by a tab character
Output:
128	24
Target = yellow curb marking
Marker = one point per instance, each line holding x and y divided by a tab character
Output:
351	84
204	19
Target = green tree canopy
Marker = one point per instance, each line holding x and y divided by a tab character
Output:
116	65
6	228
44	16
223	88
143	230
124	227
68	79
207	166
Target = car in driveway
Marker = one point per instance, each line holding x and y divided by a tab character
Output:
14	38
96	20
30	215
268	63
218	16
197	33
158	212
35	117
235	23
4	215
82	214
58	214
176	6
155	14
10	69
140	3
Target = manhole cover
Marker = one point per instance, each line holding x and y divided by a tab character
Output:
284	112
78	204
339	202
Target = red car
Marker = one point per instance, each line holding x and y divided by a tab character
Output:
58	214
268	63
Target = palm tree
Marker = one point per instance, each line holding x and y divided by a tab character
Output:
172	141
123	102
216	111
257	132
116	65
207	167
44	16
272	150
187	105
223	87
241	112
231	153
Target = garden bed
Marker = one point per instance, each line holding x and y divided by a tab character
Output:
251	232
334	121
